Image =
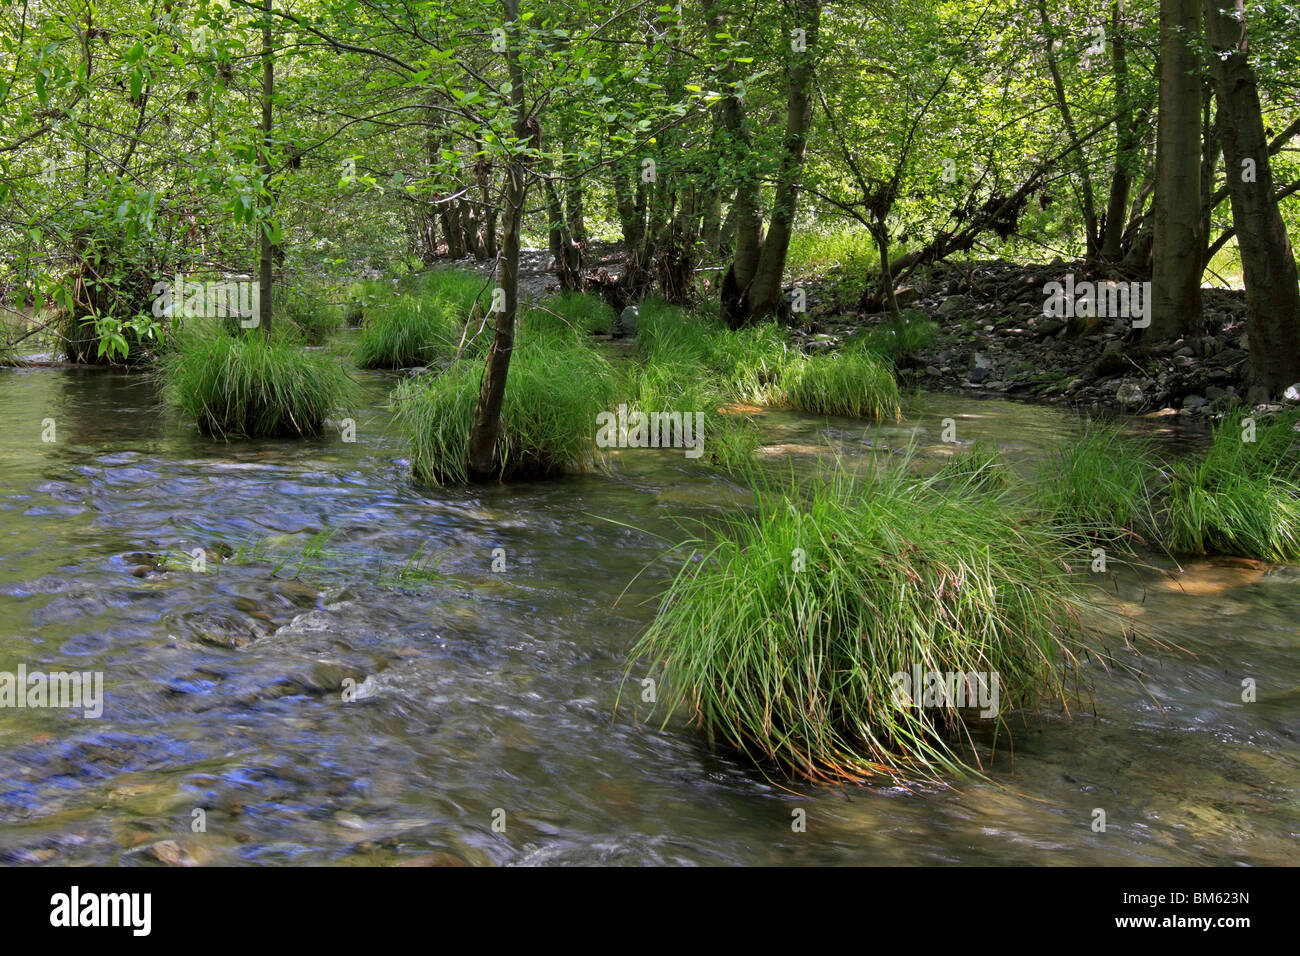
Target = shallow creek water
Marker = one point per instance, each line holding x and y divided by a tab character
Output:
496	690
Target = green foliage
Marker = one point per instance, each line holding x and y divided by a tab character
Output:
405	332
980	467
1243	497
554	392
784	637
1102	484
313	321
579	313
850	382
425	323
246	387
757	364
905	335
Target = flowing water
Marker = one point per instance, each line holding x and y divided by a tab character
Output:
490	695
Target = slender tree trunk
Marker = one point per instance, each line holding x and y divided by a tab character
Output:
765	294
1209	164
1067	118
1175	307
486	427
880	232
1128	140
266	260
711	227
1268	263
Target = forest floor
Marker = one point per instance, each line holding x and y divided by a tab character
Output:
994	337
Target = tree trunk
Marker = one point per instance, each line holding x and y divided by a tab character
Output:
482	452
1209	165
1268	263
1128	140
1067	118
711	227
1175	307
765	295
266	260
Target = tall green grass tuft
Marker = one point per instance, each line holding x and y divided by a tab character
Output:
1242	497
406	332
555	389
759	365
785	638
981	467
898	338
1102	485
246	387
851	382
437	314
575	313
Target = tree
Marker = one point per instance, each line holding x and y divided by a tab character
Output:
1178	243
751	288
1268	264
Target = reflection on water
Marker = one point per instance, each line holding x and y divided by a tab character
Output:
495	690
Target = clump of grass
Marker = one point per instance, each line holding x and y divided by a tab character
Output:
554	391
313	320
901	337
755	362
247	387
466	292
814	252
1242	498
729	438
576	313
407	332
981	467
851	382
785	639
1102	485
668	334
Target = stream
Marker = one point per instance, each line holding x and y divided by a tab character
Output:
489	695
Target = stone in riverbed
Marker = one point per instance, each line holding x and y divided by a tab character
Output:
954	304
1129	394
626	322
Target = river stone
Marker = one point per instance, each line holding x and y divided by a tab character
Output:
1048	327
954	304
1129	393
1112	361
626	322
